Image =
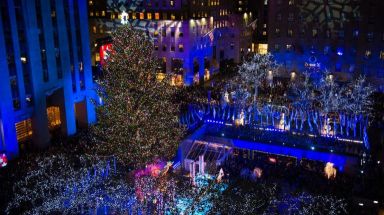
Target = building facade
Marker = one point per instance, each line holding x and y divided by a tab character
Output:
191	38
343	37
46	78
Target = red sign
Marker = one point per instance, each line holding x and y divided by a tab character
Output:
3	160
105	50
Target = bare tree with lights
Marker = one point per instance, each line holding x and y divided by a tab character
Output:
139	119
255	71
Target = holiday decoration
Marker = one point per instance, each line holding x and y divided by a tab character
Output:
138	122
3	160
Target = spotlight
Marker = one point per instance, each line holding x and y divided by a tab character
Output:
312	148
375	202
361	204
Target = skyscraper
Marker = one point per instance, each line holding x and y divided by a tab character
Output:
46	75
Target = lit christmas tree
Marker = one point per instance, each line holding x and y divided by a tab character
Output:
138	122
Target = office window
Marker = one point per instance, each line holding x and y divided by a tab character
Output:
157	16
277	31
355	34
368	54
173	17
103	13
155	33
141	15
314	32
94	29
290	33
264	33
91	13
290	17
265	2
289	47
181	47
149	15
164	48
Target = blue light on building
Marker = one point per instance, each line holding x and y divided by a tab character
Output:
46	79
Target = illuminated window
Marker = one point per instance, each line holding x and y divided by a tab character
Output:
265	2
382	55
141	15
157	16
149	15
277	31
53	114
97	13
172	3
181	48
291	2
262	48
173	16
23	130
91	13
94	29
264	33
53	13
289	47
290	32
90	2
97	57
103	13
368	53
133	15
314	32
113	16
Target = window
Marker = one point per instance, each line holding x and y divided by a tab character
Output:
103	13
172	3
172	48
157	16
290	33
290	17
265	2
149	15
164	48
289	47
278	17
277	47
355	34
173	17
264	33
368	54
291	2
181	47
314	32
382	55
94	29
277	31
370	37
156	47
141	15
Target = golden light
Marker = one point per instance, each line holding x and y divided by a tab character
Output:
330	170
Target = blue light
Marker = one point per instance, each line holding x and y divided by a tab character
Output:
312	148
340	51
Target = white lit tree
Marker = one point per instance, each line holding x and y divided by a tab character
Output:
331	98
255	71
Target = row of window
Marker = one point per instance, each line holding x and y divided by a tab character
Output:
165	48
329	34
327	50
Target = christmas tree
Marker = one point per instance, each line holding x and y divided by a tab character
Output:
138	122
